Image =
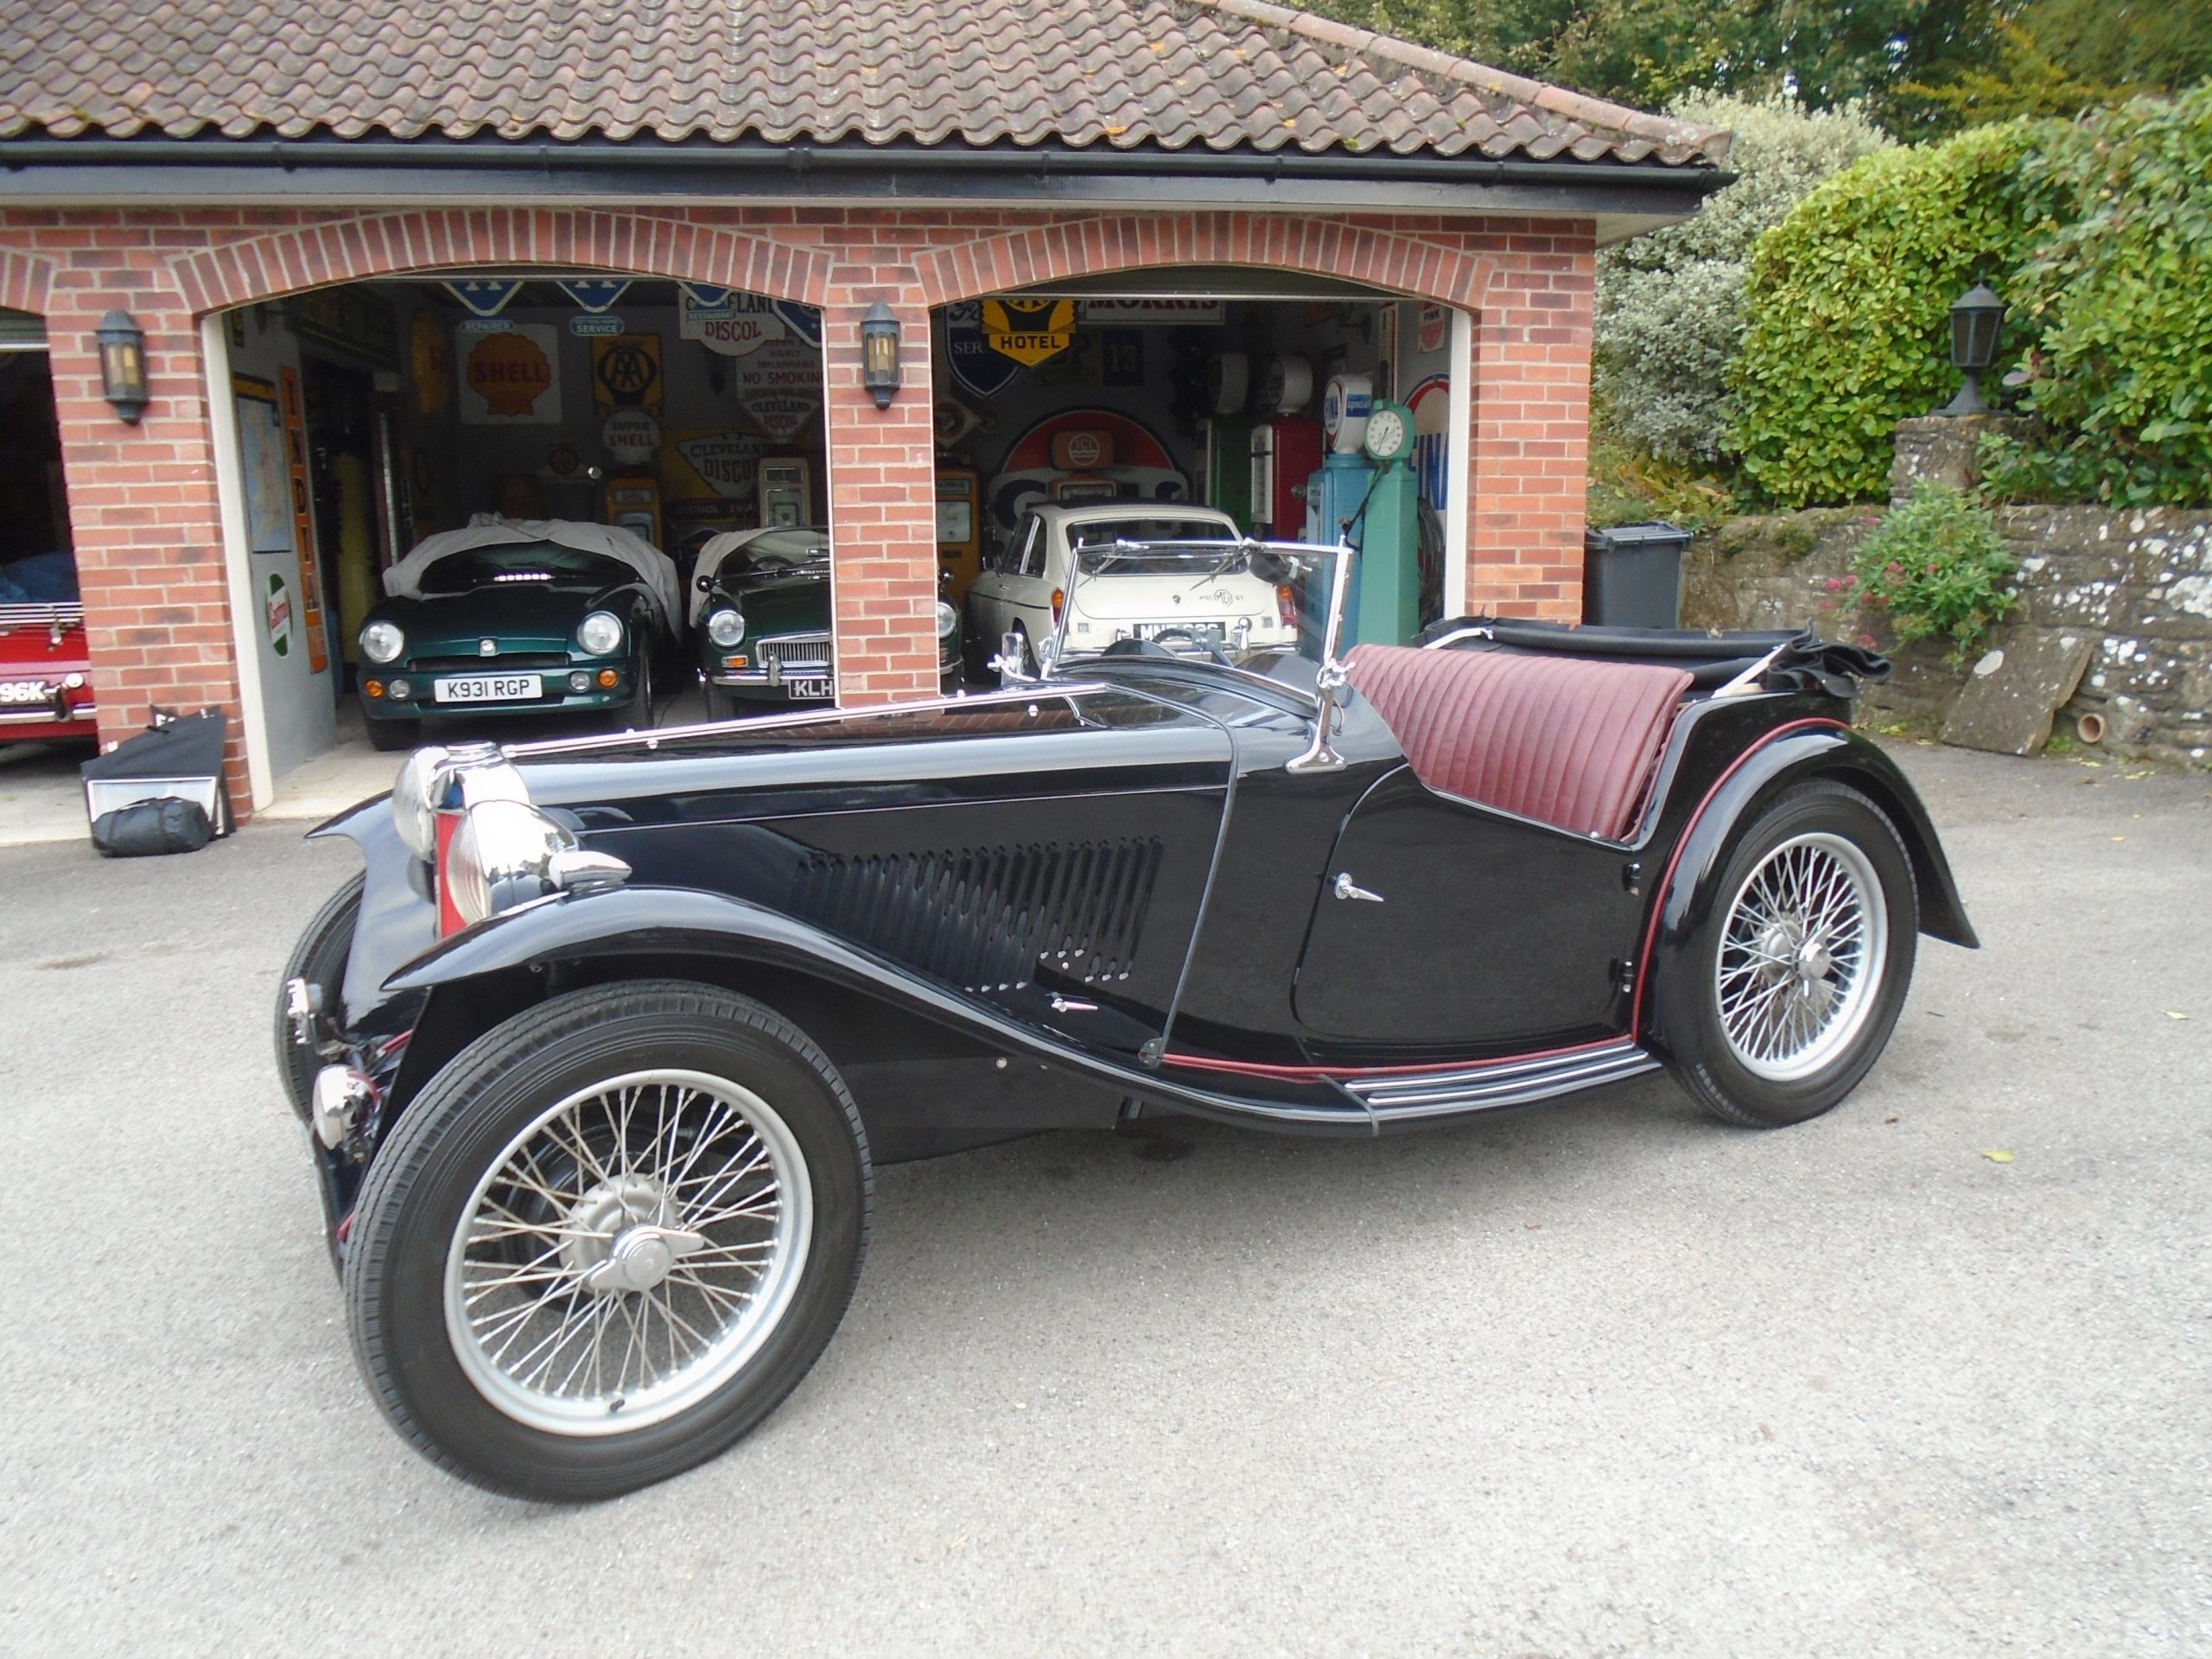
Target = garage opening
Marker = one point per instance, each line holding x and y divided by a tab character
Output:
1195	404
46	692
472	503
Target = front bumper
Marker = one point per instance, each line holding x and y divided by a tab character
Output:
557	693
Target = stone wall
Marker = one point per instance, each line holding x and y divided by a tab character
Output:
2138	584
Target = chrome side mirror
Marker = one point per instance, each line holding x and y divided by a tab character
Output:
1048	656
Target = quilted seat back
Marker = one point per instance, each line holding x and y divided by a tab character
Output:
1566	741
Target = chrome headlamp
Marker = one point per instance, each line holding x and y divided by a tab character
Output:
414	795
947	619
508	853
382	642
726	627
600	633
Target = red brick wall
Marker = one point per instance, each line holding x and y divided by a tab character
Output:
142	500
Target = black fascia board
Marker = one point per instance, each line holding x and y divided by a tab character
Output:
53	171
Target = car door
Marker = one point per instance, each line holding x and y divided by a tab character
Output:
990	600
1445	923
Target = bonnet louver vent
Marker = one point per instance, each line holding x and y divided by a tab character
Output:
984	917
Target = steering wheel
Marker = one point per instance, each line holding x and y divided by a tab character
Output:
1208	646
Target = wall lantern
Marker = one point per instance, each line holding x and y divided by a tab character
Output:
122	364
1975	322
879	354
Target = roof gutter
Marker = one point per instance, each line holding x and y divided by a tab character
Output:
807	168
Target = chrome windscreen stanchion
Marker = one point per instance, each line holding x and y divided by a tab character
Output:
1320	755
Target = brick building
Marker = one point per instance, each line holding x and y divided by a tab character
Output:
1279	188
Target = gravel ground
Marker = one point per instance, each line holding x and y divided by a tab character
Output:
1606	1379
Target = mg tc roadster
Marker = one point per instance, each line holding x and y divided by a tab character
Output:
598	1053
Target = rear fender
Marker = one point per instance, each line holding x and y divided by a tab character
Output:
1794	755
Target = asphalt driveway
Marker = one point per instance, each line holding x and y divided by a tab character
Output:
1606	1379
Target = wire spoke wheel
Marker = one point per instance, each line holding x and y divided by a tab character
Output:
1800	956
628	1252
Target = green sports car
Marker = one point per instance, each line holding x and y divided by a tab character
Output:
761	612
510	618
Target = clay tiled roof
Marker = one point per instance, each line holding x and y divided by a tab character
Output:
1216	75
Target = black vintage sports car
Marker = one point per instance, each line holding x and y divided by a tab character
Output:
599	1052
547	616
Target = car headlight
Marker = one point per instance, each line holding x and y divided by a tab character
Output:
382	642
948	620
726	627
414	810
507	853
600	633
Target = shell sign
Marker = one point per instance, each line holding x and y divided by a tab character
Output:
508	379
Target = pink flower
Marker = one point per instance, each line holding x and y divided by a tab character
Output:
1867	640
1835	584
1893	568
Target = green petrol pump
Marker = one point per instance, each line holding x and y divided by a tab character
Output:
1385	603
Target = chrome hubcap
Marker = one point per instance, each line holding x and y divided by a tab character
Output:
629	1253
1800	956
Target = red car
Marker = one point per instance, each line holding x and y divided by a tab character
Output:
46	671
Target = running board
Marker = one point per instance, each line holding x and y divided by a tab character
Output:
1403	1098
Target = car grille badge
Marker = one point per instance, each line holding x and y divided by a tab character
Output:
487	647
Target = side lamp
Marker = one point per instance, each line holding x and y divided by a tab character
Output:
1977	319
879	373
122	364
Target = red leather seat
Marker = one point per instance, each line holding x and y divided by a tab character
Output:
1562	739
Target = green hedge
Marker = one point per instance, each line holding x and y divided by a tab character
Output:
2113	302
1849	300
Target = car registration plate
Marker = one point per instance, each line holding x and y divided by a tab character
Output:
489	688
806	685
16	693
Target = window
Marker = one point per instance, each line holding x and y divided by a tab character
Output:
1032	549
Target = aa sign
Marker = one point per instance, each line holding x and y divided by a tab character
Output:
1029	331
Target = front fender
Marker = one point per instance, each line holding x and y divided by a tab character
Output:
1788	756
672	923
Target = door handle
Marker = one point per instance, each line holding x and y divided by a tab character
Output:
1348	889
1070	1005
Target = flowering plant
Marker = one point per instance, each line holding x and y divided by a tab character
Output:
1938	566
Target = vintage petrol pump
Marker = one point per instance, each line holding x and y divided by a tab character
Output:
1385	602
959	528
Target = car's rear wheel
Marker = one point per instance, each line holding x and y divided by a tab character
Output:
1784	997
320	959
607	1239
388	735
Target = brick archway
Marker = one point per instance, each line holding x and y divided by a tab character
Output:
26	280
355	250
1090	247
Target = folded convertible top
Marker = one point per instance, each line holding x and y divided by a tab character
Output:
1806	662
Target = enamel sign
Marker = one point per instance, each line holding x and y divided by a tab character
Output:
979	369
740	326
508	379
780	386
1156	314
1029	331
726	463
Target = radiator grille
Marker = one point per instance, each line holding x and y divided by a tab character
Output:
792	651
985	918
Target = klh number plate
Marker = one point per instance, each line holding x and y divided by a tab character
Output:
490	688
806	685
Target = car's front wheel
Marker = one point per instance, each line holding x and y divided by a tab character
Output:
607	1239
388	736
1781	1000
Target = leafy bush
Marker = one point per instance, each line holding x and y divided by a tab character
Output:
1848	304
2115	310
1670	305
1939	567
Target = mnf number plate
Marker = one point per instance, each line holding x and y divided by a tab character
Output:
14	694
806	685
490	688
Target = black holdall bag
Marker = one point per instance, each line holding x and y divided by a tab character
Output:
167	825
177	762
